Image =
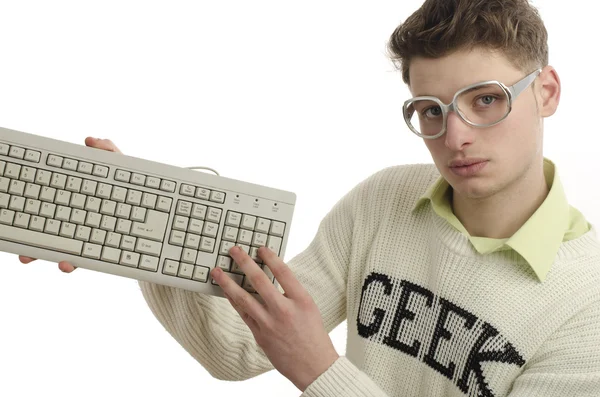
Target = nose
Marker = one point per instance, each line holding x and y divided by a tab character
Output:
458	132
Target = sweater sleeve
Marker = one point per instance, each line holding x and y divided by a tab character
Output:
210	329
343	379
568	364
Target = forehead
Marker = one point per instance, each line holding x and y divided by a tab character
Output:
442	77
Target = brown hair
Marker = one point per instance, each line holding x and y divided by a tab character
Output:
440	27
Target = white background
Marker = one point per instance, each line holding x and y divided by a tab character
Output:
294	95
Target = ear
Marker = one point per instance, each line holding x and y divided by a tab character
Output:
548	91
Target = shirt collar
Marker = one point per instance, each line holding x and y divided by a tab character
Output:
537	241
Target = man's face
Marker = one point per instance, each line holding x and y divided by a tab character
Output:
510	147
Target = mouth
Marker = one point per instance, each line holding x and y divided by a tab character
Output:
468	168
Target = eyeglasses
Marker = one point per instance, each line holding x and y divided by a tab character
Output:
481	105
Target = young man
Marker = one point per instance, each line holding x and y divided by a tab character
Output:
456	279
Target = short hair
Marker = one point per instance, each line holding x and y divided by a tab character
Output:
440	27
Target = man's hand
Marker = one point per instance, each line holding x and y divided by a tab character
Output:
288	327
104	144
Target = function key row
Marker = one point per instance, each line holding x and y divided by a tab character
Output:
20	153
144	180
78	166
202	193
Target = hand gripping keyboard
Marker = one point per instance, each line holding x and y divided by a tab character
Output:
132	217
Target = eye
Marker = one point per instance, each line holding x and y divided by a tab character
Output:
487	99
435	111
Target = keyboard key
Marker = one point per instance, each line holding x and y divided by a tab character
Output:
153	228
67	229
4	184
187	190
274	244
7	216
42	177
32	191
188	256
122	176
104	191
195	226
217	197
12	170
214	214
203	193
32	155
4	148
58	181
248	222
177	238
41	240
27	174
70	164
262	225
185	270
100	170
184	208
54	161
134	197
89	187
138	179
128	243
170	267
93	219
110	254
199	211
139	214
164	203
108	223
17	152
200	273
168	186
210	229
153	182
17	187
21	220
277	228
92	250
130	258
149	263
149	200
207	244
85	168
83	233
98	236
36	223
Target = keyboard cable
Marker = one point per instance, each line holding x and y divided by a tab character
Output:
203	168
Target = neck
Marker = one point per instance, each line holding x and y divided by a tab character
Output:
503	213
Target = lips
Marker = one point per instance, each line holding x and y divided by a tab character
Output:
465	162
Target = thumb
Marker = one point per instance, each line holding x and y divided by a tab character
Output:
104	144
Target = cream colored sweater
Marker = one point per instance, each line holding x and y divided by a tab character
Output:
427	314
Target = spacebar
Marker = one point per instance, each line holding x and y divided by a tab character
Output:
40	240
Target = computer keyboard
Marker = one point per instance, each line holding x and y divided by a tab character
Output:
132	217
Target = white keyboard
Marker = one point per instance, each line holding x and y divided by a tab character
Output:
132	217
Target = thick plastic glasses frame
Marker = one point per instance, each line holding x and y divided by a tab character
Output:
512	93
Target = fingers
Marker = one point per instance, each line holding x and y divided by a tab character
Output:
240	298
256	275
26	259
104	144
66	267
284	275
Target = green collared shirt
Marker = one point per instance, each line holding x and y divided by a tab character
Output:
537	241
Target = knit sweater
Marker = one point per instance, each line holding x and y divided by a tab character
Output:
428	315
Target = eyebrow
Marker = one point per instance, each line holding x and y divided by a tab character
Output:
467	91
